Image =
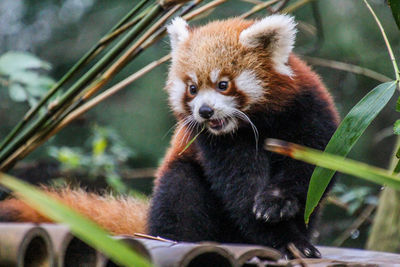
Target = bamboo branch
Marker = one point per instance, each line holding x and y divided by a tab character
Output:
123	60
388	46
83	81
34	110
347	67
296	6
40	138
366	213
281	6
258	8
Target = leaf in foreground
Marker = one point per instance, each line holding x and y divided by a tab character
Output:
345	137
81	227
334	162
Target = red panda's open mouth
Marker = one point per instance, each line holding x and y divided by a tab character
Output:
217	124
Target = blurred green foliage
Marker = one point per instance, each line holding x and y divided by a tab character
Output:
60	32
25	76
102	155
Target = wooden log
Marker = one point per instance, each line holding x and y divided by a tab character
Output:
25	245
69	250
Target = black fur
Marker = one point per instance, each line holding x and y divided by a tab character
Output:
237	193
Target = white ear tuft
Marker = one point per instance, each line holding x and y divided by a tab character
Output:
178	31
277	33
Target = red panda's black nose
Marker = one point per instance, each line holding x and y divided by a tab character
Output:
206	112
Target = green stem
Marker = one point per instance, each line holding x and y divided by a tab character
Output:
84	80
396	157
34	110
117	31
389	47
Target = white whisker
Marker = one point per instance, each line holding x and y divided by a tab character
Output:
169	130
189	132
185	122
243	116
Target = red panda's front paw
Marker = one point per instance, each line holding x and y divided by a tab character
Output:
302	246
273	207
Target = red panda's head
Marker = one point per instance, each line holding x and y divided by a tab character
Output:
226	69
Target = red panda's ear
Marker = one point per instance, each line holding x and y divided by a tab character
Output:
276	33
178	31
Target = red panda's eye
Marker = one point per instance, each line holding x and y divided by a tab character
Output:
193	89
222	86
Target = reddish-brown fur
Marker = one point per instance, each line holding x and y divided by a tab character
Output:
119	215
206	41
288	88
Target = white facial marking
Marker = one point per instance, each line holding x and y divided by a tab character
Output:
193	76
176	92
248	83
178	32
222	105
214	74
281	29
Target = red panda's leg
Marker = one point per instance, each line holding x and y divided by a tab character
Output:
182	206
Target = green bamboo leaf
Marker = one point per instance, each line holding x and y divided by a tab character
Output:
396	127
17	92
18	61
398	105
83	228
335	163
395	7
347	134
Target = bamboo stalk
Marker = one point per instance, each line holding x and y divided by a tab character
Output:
40	138
34	110
347	67
388	46
83	81
159	34
296	6
259	7
123	60
123	28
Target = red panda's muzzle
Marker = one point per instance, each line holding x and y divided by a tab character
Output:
216	124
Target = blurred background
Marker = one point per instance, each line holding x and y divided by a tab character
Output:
117	145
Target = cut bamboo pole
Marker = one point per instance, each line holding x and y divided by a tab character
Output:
69	250
244	253
134	244
24	245
169	254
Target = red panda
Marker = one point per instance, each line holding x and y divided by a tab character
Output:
232	84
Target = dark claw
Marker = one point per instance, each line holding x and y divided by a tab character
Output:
304	247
